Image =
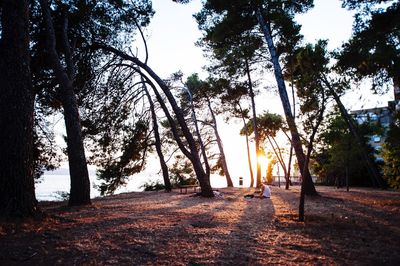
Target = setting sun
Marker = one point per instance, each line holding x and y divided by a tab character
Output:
263	161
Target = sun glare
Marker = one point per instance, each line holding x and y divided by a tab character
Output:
263	161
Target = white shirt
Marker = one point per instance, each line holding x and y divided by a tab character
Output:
266	192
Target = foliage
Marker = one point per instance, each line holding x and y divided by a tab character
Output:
374	49
269	124
391	156
83	22
45	153
62	195
181	170
119	162
339	150
152	186
270	167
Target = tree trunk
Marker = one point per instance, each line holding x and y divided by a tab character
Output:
309	188
200	140
220	147
254	118
164	167
17	191
80	183
278	155
287	178
248	150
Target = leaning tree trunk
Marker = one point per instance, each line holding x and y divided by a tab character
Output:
164	167
220	147
255	127
17	191
80	183
309	188
287	178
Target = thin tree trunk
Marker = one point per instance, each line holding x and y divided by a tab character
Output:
80	183
254	119
200	140
164	167
248	150
17	191
287	178
220	147
278	154
309	188
374	175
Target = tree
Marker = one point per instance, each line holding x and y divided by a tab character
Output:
339	152
17	194
373	50
281	33
192	151
269	124
204	92
237	59
80	184
233	97
391	157
61	54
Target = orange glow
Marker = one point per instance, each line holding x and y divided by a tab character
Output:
263	161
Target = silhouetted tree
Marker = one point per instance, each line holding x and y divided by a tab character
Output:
17	194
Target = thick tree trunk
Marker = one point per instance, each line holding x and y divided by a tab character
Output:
80	183
202	177
17	191
254	119
164	167
220	147
309	188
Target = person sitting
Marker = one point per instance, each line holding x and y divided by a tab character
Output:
265	191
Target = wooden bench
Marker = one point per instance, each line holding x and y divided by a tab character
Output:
184	189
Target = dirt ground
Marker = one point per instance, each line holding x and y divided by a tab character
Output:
360	227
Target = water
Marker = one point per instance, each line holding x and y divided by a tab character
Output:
54	184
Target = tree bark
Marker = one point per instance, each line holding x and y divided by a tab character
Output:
309	188
80	183
220	146
17	191
254	119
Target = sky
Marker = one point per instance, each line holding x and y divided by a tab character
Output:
173	32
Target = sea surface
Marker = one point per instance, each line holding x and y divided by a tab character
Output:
53	185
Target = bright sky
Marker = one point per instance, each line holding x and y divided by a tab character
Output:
173	32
